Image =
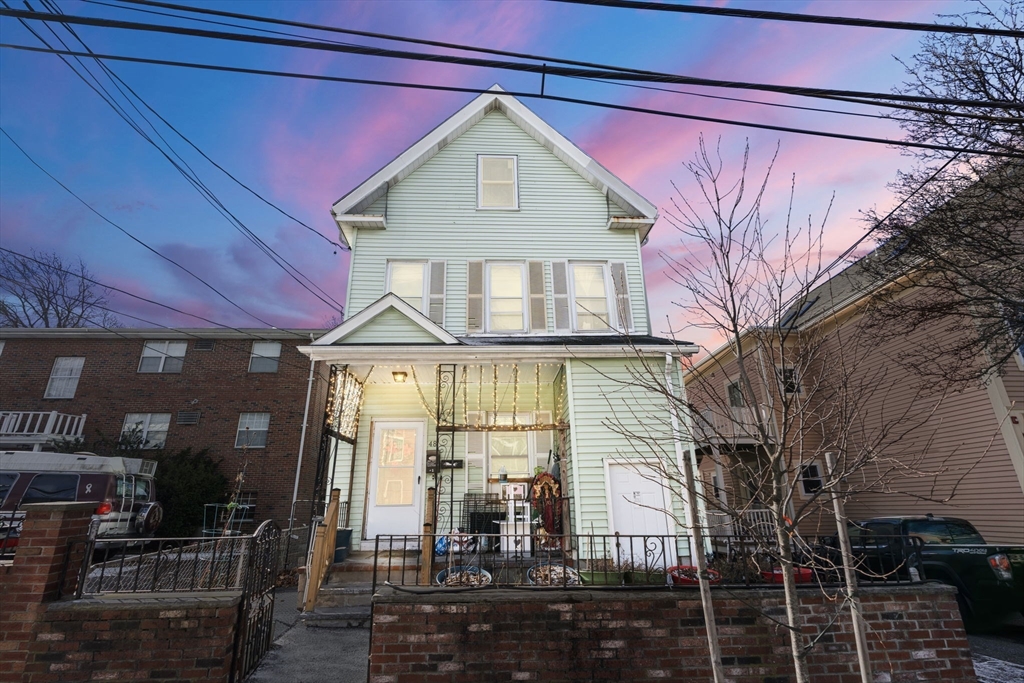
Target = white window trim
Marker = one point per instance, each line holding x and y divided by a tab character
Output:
728	400
145	424
797	379
491	418
253	355
73	385
424	285
800	478
480	182
162	355
487	297
609	295
238	429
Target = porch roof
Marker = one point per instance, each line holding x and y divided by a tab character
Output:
491	349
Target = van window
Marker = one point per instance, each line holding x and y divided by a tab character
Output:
7	480
141	487
50	488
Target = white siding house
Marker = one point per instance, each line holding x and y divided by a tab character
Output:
497	320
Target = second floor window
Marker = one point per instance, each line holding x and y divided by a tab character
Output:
64	377
265	356
163	356
506	300
252	430
498	182
146	430
590	297
420	284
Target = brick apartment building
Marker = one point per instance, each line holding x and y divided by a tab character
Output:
201	388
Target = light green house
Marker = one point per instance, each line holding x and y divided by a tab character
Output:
498	325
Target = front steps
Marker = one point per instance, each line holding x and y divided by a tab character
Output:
345	598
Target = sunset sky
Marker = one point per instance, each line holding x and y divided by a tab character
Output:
304	144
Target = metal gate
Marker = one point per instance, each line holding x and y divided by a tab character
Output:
256	612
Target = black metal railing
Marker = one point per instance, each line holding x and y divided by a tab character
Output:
161	565
483	514
528	559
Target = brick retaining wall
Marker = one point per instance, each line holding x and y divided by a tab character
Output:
915	634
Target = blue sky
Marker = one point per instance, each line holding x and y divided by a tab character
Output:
304	144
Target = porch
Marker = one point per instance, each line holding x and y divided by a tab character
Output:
34	429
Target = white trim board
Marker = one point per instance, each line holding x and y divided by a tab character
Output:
348	211
363	317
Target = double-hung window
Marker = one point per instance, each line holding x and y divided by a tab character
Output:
252	430
506	297
498	181
810	479
510	450
420	284
591	312
147	430
64	377
265	356
163	356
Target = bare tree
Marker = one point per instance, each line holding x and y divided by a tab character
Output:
794	411
44	290
954	251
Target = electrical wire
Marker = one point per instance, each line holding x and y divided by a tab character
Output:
764	15
544	69
190	175
130	235
532	95
890	105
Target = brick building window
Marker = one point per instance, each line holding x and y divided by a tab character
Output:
265	356
163	356
148	429
252	430
64	378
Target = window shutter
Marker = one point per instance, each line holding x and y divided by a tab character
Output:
622	307
436	306
538	307
560	290
475	297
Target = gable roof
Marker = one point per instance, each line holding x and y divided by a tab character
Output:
386	303
348	211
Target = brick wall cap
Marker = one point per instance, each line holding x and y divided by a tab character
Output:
59	506
387	595
135	601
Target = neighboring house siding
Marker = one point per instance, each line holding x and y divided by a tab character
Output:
432	214
386	328
608	408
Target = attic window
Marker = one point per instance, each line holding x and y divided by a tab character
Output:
498	178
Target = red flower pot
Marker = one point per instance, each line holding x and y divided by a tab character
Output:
686	575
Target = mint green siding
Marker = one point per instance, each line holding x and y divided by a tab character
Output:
432	214
613	418
386	328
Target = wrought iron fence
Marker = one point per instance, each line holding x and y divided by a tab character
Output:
464	560
162	565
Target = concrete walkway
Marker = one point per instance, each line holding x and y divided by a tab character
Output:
305	652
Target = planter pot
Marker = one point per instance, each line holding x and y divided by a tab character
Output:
653	578
602	578
463	576
686	575
800	575
552	574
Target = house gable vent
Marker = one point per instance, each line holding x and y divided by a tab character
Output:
203	345
188	417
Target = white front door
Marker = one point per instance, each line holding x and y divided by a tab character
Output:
639	505
396	479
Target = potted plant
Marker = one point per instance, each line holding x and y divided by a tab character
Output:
686	575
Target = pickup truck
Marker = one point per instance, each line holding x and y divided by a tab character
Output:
989	578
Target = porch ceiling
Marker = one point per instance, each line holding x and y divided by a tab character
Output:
476	373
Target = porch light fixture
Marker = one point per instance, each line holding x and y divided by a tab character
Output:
400	376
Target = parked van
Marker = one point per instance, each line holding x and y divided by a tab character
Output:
122	488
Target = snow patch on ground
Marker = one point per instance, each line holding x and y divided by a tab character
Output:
991	670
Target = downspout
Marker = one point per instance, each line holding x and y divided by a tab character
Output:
302	443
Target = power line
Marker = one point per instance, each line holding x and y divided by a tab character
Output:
191	176
130	235
801	18
524	95
544	69
545	59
